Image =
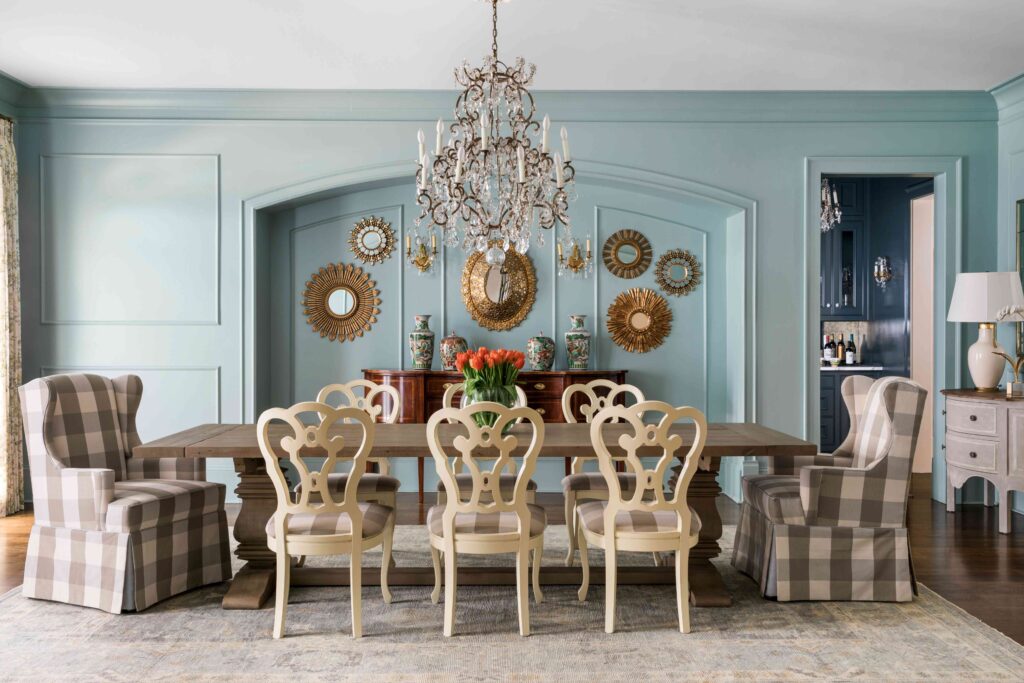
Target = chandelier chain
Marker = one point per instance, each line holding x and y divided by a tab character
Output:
494	29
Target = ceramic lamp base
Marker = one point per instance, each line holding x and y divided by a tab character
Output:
985	366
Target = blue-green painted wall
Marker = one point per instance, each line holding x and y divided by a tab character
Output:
188	339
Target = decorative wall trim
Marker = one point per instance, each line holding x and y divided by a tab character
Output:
947	173
46	319
12	91
564	106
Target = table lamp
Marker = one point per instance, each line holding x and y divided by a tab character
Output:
978	298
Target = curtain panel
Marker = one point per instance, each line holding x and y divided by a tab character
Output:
12	488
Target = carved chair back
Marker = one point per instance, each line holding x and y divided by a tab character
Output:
484	453
596	395
449	397
282	433
649	494
384	410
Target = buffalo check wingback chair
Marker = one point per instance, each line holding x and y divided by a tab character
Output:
111	531
835	527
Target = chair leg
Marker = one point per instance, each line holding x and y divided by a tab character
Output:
683	588
435	556
584	563
538	597
283	582
386	561
523	587
300	561
570	526
610	584
355	580
449	591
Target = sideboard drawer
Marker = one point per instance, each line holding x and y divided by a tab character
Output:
973	454
436	386
972	417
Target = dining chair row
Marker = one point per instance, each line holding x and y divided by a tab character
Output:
487	505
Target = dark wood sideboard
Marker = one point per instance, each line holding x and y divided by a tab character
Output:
422	391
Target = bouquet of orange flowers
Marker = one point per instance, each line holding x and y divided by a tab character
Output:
490	376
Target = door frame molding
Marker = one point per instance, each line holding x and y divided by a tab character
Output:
947	175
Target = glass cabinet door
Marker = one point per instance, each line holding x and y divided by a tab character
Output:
848	270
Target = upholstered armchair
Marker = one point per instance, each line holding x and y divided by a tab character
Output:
834	526
110	531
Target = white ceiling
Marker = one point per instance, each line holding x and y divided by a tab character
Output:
576	44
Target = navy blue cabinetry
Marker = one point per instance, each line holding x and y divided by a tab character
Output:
844	255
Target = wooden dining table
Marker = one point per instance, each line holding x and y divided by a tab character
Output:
254	583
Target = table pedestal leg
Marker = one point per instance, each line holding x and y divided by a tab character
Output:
254	583
706	586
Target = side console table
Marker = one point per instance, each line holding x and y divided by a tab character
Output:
984	438
422	391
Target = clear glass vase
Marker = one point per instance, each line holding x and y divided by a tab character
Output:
504	394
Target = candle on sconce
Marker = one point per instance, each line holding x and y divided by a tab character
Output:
544	136
483	130
521	159
558	170
565	145
440	130
408	244
433	242
423	144
558	247
588	245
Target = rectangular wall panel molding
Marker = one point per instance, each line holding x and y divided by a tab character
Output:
129	239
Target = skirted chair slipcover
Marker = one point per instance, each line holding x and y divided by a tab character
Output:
833	527
110	531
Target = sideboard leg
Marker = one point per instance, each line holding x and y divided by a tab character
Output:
254	583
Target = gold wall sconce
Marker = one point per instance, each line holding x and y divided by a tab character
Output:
580	262
420	256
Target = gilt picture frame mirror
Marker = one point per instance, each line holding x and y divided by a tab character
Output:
499	296
341	302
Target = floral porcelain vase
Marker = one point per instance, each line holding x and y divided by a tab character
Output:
452	346
540	351
421	343
577	343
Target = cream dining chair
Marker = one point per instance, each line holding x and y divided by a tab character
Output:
487	518
508	479
644	519
580	485
335	523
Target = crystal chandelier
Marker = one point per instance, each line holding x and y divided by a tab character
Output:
830	213
494	177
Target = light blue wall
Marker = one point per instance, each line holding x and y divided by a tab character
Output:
754	146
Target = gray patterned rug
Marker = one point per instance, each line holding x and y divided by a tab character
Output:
191	638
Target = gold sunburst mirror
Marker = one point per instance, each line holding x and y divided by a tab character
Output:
627	254
341	302
372	240
639	320
678	272
499	296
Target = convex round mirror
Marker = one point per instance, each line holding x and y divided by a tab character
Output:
372	240
341	302
678	272
627	254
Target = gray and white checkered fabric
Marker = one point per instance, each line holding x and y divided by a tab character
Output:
104	536
853	543
591	515
595	481
487	522
375	518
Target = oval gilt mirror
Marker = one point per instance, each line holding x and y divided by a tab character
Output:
341	302
678	272
499	297
627	254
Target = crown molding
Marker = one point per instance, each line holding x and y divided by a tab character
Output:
12	91
1009	98
568	106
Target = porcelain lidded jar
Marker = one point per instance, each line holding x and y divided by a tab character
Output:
421	343
451	346
540	351
577	343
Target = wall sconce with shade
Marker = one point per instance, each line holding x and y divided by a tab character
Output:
979	298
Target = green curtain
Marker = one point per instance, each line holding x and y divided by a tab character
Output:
12	485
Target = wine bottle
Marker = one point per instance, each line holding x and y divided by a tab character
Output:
841	350
830	349
851	352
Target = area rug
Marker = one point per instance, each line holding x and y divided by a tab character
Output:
192	638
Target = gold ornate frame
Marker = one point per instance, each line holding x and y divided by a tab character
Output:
365	301
514	309
616	265
387	240
663	270
629	303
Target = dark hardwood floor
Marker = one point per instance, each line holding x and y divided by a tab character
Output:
962	557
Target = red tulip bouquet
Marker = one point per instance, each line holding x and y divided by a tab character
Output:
490	376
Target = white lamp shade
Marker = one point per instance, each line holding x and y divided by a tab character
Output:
978	297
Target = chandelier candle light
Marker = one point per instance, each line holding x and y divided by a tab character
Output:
493	176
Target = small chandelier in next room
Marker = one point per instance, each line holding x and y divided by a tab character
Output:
498	174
